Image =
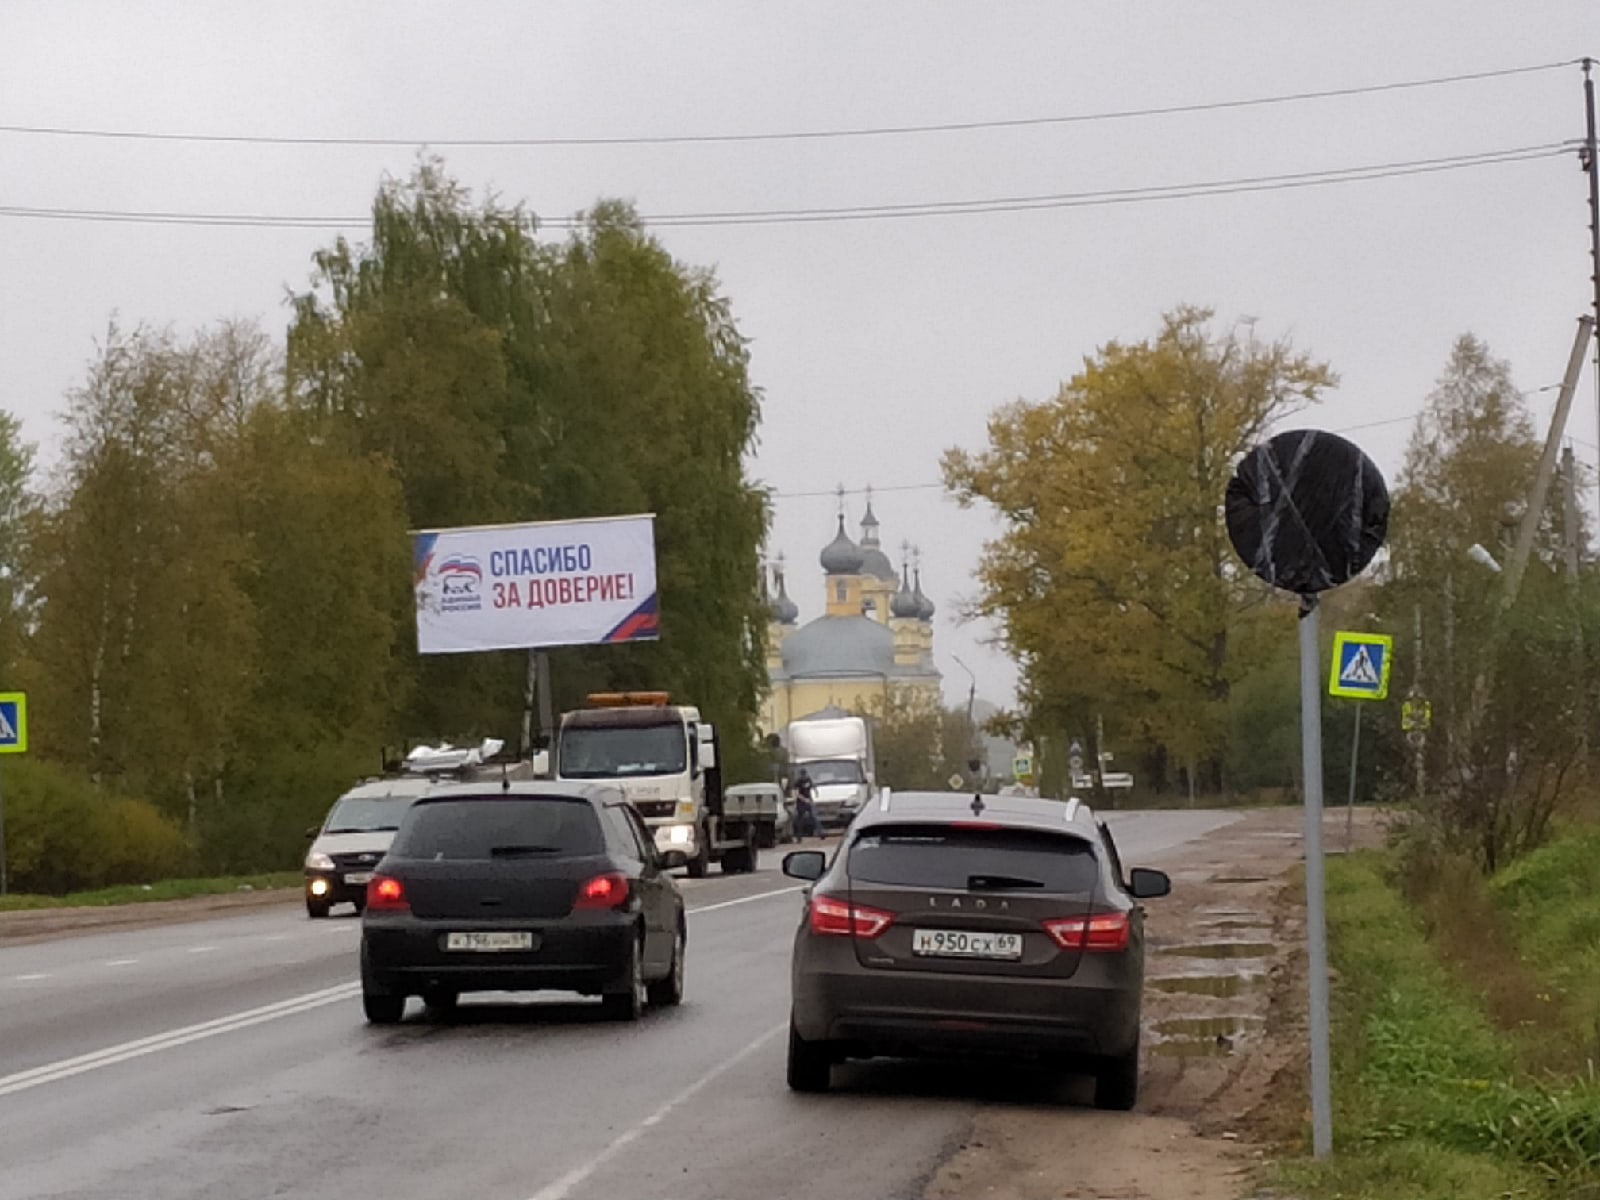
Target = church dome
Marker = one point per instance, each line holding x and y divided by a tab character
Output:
924	605
784	610
839	647
905	604
841	556
874	561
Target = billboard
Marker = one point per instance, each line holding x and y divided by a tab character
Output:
548	583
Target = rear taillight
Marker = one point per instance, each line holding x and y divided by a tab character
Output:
831	917
385	893
1101	932
610	890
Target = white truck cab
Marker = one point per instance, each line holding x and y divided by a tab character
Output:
664	758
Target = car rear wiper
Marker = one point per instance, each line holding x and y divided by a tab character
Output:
999	883
515	851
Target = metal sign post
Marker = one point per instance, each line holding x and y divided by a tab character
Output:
13	740
1307	511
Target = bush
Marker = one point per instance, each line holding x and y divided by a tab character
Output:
64	834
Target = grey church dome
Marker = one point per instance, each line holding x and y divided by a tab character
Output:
784	610
924	605
874	561
839	647
904	604
841	556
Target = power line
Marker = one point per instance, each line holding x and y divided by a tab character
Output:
787	135
792	216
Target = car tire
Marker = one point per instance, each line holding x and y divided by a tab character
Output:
359	905
667	992
1116	1083
628	1005
701	862
442	1003
810	1064
381	1005
317	910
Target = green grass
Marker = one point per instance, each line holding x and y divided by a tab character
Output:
1427	1100
1551	904
167	889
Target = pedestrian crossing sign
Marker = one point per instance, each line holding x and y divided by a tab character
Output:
1361	663
13	722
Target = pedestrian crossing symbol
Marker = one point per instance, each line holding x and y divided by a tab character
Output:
1361	664
13	723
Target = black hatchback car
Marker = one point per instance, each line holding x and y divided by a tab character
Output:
523	888
956	925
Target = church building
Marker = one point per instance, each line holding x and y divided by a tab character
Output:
875	633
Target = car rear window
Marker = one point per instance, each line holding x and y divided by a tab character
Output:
500	828
938	856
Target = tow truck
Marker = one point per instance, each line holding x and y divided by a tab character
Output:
664	758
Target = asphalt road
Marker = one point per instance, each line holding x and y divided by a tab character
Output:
229	1058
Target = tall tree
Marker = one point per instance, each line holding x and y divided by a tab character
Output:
509	379
1114	583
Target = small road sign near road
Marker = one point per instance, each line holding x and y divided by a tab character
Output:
1022	767
1361	663
13	723
1416	715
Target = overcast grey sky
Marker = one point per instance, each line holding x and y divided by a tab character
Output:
878	343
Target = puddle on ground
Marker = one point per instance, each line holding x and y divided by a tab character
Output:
1256	925
1223	950
1224	986
1241	879
1222	910
1203	1037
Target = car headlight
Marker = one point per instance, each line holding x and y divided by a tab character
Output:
318	862
680	834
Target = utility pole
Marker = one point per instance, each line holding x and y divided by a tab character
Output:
1569	512
1588	157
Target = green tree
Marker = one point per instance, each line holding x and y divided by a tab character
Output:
590	378
1510	688
1114	583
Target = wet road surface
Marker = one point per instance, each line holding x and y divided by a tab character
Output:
229	1058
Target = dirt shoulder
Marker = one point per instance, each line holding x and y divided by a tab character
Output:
1221	1025
42	924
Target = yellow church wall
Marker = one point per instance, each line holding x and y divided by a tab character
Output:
788	701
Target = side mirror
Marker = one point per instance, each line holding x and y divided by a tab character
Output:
541	764
809	865
708	756
1145	884
671	860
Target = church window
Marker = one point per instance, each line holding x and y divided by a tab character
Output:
842	592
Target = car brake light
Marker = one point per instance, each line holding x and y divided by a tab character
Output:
988	825
385	893
1101	932
610	890
833	917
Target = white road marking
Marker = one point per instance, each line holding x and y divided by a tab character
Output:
788	891
122	962
111	1055
30	978
564	1187
201	949
277	937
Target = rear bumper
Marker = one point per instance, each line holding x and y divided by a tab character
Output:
407	955
906	1013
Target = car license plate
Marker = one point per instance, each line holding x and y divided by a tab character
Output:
961	943
488	941
359	877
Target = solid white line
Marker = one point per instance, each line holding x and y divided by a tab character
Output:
122	962
277	937
110	1055
29	978
788	891
201	949
563	1187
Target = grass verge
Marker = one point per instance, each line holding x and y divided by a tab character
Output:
167	889
1428	1102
